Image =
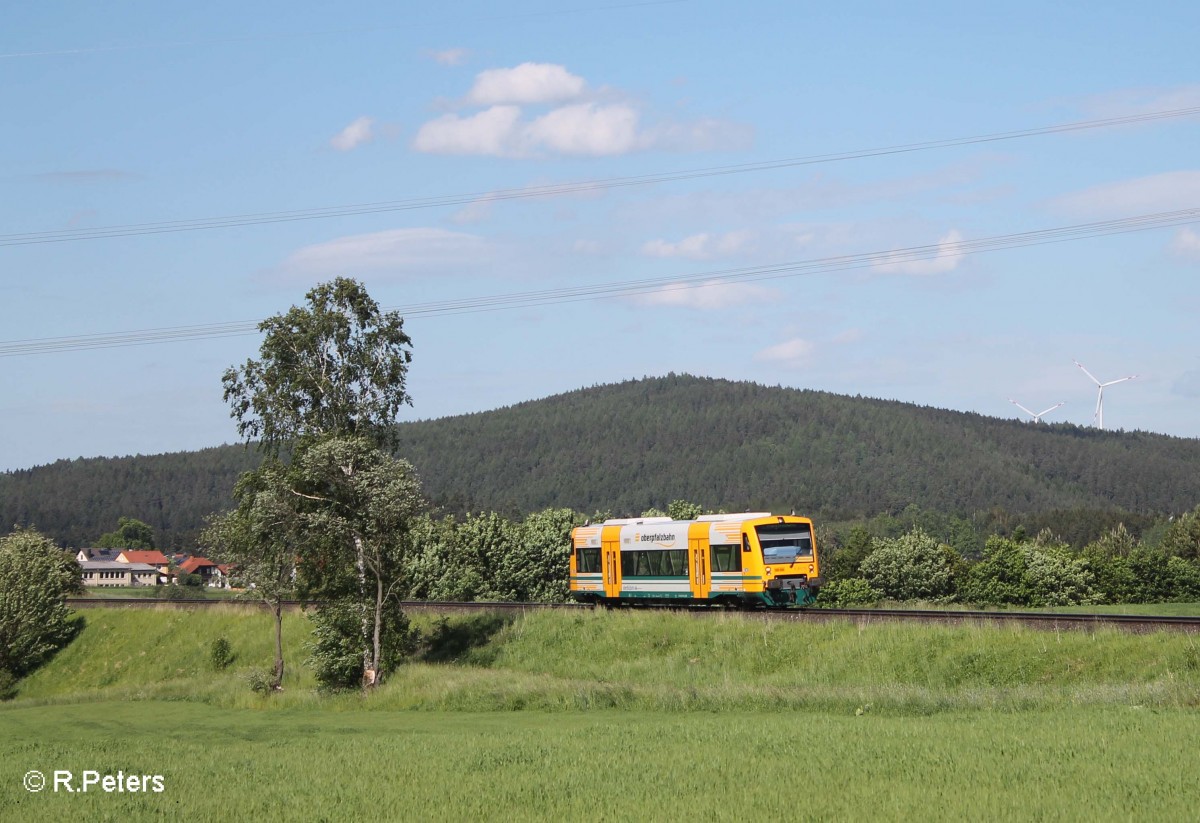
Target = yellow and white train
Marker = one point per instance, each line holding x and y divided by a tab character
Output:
756	558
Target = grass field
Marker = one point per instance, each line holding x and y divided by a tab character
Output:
1112	764
619	716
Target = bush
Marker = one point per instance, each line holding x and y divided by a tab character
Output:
260	681
184	593
852	591
220	654
336	653
999	578
8	685
1039	574
913	567
1058	578
35	577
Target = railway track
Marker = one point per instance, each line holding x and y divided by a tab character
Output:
1043	620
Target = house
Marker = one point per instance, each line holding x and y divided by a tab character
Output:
114	573
150	558
84	555
211	573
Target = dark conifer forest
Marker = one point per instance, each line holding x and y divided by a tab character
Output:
726	445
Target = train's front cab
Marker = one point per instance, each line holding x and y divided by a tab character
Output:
780	563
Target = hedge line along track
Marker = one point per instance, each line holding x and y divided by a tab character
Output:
1040	620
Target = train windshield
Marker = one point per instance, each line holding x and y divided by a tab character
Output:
785	542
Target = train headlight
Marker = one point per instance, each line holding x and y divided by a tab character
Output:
767	569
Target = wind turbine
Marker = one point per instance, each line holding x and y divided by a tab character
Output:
1037	418
1098	418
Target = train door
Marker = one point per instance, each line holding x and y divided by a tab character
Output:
611	557
698	568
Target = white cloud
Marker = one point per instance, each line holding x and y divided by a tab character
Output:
354	135
396	251
590	247
848	336
526	83
577	122
585	128
1142	195
708	296
702	246
1186	243
488	132
794	352
581	129
949	254
450	57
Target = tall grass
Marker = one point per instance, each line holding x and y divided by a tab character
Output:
638	661
1065	764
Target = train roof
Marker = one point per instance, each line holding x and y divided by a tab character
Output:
736	517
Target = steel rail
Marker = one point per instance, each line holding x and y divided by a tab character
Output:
1048	620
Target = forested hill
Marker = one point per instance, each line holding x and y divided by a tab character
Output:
626	447
642	443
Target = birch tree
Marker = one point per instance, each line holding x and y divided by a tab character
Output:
325	393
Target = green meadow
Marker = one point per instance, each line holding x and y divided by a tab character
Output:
617	715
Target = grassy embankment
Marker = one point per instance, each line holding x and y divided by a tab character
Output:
640	660
626	716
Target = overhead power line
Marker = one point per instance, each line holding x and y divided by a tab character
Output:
559	189
634	288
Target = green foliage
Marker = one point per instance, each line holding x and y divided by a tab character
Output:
490	557
1036	574
130	534
999	578
537	567
35	577
336	367
1056	577
1182	537
261	540
336	651
847	593
184	591
684	510
184	580
913	567
261	682
220	654
845	561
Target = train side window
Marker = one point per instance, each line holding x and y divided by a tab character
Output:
726	558
588	560
643	564
678	560
628	562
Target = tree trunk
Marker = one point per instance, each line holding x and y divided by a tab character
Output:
360	563
278	609
378	626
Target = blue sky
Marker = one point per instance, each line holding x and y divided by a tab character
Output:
127	114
